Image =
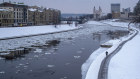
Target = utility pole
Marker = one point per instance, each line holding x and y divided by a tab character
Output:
3	1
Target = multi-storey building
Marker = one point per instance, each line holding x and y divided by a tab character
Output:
53	16
115	10
43	16
6	17
36	16
20	12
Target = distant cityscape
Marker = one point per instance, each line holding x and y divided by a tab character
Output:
18	14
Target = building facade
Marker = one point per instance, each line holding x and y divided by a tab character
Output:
115	10
6	18
52	16
20	12
125	13
43	16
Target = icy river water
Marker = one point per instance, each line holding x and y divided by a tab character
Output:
57	59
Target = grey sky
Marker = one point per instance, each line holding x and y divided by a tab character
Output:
78	6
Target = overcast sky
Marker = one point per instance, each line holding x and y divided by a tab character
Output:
78	6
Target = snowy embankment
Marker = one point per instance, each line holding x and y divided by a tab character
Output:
92	65
125	64
114	23
33	30
95	23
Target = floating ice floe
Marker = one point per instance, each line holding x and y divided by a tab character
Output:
47	53
79	51
2	72
67	64
1	58
50	66
76	57
64	78
21	64
82	48
38	51
36	56
4	53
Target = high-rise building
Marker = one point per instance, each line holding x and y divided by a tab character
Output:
115	10
115	7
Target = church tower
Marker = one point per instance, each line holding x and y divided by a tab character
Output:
97	13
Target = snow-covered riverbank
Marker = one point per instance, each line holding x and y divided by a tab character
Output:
117	67
34	30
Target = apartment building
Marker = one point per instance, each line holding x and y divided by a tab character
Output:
43	16
53	16
6	18
20	12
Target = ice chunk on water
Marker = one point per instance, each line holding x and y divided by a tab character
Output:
36	56
79	51
76	57
31	70
1	58
4	53
2	72
67	63
18	71
64	78
82	48
47	53
38	51
21	64
55	48
51	65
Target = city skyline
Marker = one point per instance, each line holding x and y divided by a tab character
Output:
78	6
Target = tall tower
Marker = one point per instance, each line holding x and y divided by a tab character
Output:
97	13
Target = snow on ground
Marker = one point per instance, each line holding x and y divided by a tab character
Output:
95	23
91	67
87	72
115	23
33	30
125	64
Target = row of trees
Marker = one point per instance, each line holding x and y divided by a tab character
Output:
137	13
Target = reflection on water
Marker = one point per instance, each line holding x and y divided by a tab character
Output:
117	34
14	53
52	43
19	53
